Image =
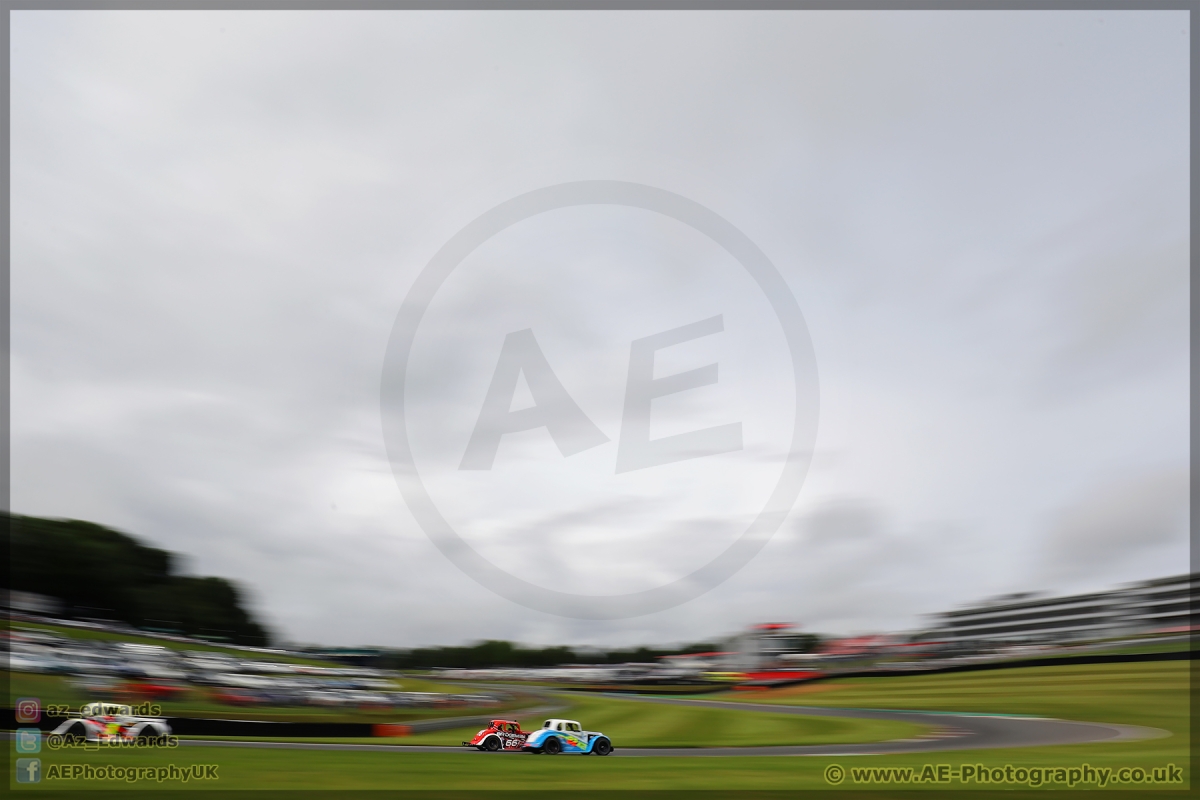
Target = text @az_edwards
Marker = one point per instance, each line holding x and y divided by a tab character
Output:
139	710
983	775
59	741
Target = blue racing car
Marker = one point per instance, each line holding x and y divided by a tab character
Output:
566	736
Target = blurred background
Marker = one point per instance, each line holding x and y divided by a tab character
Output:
216	216
198	655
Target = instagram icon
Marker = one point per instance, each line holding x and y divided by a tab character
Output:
29	709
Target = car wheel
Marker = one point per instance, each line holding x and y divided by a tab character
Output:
553	746
491	744
602	747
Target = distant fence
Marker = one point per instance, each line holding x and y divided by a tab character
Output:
1049	661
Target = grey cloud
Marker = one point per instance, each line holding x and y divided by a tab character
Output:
840	522
1105	534
855	569
215	218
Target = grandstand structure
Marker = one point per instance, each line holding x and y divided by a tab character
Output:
1162	605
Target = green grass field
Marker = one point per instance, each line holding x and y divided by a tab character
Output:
1123	693
636	724
1150	694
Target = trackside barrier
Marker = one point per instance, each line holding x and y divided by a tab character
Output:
191	726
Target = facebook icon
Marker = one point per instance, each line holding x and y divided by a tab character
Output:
29	770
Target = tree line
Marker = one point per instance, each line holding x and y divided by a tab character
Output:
506	654
494	653
100	573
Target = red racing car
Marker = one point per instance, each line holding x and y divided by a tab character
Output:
501	734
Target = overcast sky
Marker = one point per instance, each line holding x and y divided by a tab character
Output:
983	217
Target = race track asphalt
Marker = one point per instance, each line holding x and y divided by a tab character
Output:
950	731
